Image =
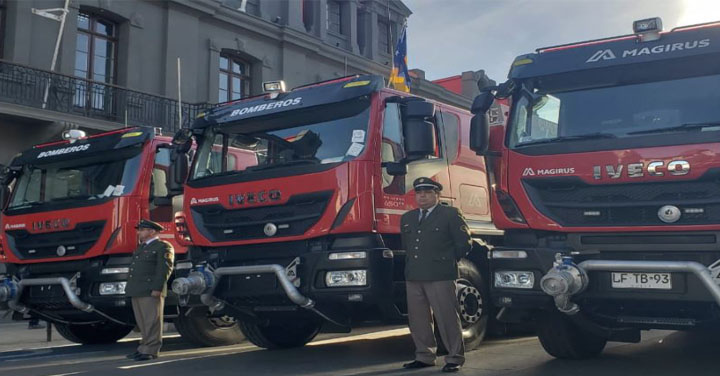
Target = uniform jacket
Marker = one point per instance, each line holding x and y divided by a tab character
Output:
150	269
434	247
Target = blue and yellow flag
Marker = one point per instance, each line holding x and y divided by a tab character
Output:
399	77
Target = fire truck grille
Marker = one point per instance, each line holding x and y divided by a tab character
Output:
571	202
290	219
75	242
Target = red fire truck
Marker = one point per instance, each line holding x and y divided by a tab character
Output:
309	237
606	181
68	232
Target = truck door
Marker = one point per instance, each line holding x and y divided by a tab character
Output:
467	172
163	205
396	195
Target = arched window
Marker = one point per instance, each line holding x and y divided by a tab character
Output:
234	78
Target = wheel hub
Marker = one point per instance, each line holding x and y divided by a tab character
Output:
223	321
470	303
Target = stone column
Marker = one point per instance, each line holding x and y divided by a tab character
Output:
293	14
351	27
373	34
321	20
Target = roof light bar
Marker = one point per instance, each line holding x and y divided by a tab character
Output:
648	29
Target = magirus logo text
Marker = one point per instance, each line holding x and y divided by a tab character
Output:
608	54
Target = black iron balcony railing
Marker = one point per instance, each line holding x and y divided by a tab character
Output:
47	90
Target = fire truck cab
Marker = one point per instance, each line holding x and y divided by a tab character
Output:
606	184
308	238
68	233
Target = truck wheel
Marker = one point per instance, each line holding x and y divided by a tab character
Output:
563	339
281	334
201	330
107	332
472	296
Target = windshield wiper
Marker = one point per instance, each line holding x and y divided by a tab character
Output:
285	164
216	174
79	197
681	127
26	204
589	136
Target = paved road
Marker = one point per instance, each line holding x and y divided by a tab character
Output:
369	352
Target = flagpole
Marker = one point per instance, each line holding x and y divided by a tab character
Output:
391	42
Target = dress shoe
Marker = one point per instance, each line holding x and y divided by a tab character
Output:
133	355
143	357
451	367
415	364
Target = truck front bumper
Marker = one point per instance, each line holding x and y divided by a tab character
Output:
310	280
563	284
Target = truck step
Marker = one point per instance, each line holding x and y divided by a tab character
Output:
671	321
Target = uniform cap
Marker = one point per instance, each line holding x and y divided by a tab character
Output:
424	183
145	223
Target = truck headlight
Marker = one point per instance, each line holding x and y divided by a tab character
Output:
344	278
515	279
508	254
112	288
183	265
115	270
347	255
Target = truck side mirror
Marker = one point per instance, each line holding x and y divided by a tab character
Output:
418	131
4	196
395	168
183	140
479	125
179	169
482	102
6	175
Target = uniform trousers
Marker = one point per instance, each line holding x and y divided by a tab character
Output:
426	299
149	318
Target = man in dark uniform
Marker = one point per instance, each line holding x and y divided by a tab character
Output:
435	238
150	269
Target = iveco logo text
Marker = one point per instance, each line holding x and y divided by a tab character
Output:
206	200
637	170
51	224
254	197
72	149
548	171
267	106
608	54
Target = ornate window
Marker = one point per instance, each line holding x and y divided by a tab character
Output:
234	79
95	60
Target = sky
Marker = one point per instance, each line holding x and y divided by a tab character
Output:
448	37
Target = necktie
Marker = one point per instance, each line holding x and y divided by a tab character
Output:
424	215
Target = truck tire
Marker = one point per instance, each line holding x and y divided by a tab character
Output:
564	340
281	334
107	332
472	296
201	330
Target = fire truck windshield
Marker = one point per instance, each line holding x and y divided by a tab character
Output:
611	112
319	135
78	179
